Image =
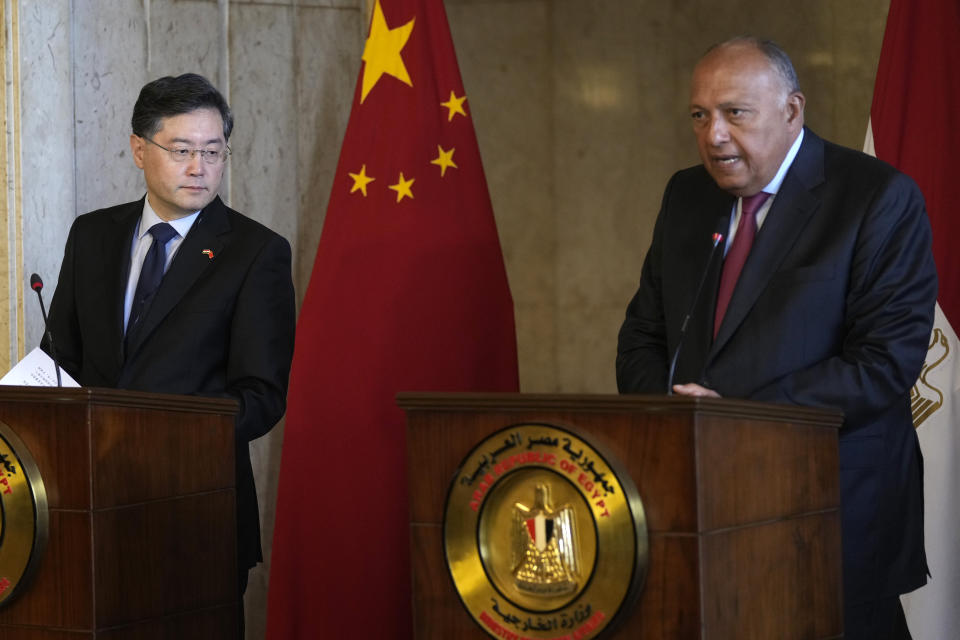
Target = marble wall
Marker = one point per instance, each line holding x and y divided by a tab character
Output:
580	111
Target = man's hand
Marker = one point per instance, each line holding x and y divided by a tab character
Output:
692	389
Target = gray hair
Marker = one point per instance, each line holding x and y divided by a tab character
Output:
774	53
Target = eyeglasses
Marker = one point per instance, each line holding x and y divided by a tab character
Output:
210	156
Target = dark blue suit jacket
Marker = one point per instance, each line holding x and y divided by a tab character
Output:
833	308
217	327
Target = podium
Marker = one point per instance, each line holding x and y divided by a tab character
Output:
741	502
142	524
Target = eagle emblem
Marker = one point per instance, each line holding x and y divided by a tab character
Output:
926	399
545	549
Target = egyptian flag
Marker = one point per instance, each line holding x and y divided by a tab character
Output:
914	126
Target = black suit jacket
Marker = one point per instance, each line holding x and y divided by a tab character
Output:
221	324
833	308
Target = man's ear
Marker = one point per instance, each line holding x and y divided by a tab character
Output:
137	148
795	103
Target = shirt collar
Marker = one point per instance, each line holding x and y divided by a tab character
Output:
774	184
150	218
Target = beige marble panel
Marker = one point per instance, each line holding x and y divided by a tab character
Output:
47	134
264	103
328	50
586	361
537	347
109	67
184	38
614	95
504	52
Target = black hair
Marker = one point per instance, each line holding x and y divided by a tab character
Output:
169	96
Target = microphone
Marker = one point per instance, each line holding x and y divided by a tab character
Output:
718	237
36	283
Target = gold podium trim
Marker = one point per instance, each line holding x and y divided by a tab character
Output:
24	519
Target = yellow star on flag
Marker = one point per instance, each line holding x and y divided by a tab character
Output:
444	160
454	106
403	188
382	52
360	181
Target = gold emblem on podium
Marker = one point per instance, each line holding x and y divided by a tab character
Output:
23	515
545	550
545	535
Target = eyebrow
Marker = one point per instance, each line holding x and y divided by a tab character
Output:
188	141
736	104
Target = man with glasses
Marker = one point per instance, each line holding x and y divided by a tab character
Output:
178	293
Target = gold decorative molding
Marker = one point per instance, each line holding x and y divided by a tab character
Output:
12	334
24	528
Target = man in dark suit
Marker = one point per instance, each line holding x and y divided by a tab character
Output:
824	297
178	293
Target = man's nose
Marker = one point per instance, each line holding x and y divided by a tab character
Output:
717	131
195	165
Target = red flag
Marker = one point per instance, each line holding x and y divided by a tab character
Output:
914	128
915	123
408	293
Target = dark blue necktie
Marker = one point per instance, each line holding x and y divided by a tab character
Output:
151	274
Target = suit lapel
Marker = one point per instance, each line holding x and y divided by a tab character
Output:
791	211
187	266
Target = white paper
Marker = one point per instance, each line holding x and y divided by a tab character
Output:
37	370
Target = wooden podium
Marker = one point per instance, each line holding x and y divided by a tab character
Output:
741	500
142	524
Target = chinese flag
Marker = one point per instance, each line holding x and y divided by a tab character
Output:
408	293
915	128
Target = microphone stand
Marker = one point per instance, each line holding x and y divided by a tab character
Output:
37	285
717	240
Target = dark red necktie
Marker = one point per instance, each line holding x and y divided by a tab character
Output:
737	255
